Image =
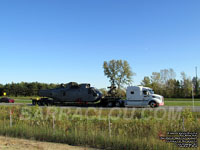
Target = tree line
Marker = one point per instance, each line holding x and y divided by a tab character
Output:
166	84
25	88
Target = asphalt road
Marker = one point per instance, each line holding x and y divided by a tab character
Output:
169	108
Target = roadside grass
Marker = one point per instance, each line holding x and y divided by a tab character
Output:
181	99
181	103
113	129
21	97
23	101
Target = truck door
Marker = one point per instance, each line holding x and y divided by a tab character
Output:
145	98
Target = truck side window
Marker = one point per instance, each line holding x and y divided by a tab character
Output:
145	92
132	92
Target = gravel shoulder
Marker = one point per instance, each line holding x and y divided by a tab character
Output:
8	143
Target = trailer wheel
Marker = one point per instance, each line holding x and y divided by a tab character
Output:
152	104
117	104
33	102
110	104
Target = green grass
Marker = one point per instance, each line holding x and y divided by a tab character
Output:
181	99
23	101
181	103
22	97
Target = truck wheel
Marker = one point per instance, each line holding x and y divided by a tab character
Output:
110	104
117	104
33	102
152	104
40	103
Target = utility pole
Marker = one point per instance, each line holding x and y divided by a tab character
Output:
197	85
193	95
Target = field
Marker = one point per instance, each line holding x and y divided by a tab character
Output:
114	129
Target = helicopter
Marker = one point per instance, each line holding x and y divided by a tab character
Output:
72	92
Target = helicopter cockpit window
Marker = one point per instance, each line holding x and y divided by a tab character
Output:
89	91
94	92
62	85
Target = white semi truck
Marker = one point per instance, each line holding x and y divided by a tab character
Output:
139	96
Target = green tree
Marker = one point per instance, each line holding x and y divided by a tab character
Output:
196	83
146	82
170	88
186	85
119	72
156	82
103	91
177	89
1	89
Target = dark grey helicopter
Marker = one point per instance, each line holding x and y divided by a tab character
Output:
73	92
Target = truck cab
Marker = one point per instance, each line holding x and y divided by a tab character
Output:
139	96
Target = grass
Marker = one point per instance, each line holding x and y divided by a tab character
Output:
21	97
23	101
113	129
181	99
181	103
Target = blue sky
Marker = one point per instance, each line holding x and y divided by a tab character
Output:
58	41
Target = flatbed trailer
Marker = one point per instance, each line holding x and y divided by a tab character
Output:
104	102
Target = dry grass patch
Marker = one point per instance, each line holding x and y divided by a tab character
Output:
7	143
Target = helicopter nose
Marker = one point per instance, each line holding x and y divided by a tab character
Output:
99	95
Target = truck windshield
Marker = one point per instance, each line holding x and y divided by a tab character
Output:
151	91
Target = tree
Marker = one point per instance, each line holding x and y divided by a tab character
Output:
170	88
146	82
196	83
186	85
1	89
167	74
156	82
177	89
118	71
103	91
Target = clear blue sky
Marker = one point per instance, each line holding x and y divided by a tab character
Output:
60	41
